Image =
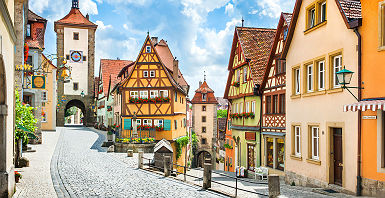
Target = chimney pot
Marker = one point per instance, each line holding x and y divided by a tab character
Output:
154	40
175	70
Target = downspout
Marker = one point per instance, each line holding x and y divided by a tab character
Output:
359	178
260	129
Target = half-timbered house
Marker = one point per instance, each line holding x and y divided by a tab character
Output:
247	64
273	108
156	94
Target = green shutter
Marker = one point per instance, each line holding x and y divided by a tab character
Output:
127	124
167	125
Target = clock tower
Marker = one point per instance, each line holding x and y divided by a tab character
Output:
75	39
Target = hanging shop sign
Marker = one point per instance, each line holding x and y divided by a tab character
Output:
38	82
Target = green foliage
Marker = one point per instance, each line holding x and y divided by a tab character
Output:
183	141
71	111
222	113
25	121
228	146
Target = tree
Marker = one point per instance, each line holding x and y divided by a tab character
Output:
222	113
71	111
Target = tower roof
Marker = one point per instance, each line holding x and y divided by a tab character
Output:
75	18
204	89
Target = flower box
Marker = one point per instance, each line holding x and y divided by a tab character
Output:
150	100
236	84
136	140
248	115
236	115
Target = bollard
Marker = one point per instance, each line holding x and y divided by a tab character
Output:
207	176
274	187
130	153
140	160
166	165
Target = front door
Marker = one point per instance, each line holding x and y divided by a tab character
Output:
250	157
338	155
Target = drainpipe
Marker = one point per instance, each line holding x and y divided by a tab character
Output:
260	128
359	178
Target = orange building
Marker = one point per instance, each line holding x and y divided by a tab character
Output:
229	144
372	99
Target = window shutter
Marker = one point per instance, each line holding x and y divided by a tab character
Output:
167	125
127	124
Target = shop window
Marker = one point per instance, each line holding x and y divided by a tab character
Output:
270	152
280	154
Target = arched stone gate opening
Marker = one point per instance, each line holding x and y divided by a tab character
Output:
203	157
79	104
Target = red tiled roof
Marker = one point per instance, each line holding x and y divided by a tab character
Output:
256	44
110	69
75	17
167	58
351	9
37	31
204	89
96	85
34	17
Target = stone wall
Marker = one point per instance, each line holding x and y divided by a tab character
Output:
300	180
123	147
373	188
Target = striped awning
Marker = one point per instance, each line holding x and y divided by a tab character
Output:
372	105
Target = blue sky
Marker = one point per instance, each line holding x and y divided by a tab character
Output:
199	32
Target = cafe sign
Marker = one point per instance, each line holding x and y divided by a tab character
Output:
38	82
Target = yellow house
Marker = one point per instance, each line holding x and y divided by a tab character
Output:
49	98
152	92
321	140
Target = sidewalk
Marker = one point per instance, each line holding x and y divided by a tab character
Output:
36	179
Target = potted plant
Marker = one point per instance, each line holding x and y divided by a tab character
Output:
17	176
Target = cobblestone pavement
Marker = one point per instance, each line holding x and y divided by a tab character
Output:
84	172
36	181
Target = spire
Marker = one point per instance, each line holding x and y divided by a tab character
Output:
242	21
204	79
75	4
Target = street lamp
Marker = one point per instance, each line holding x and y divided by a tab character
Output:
82	94
344	77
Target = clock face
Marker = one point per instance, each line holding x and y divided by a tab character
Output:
76	56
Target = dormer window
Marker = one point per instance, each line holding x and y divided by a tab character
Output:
204	97
148	49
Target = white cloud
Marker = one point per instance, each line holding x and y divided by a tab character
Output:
38	6
126	2
88	6
229	9
101	25
273	8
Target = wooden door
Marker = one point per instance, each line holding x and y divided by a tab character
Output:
250	157
338	155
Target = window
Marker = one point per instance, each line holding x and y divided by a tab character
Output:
176	124
204	141
204	97
337	66
176	96
184	122
147	122
134	94
76	35
143	94
145	74
29	60
238	75
285	32
67	56
203	108
309	78
253	107
237	108
321	75
152	73
322	12
28	31
203	129
315	143
44	96
43	117
153	93
268	104
282	103
138	122
382	25
84	58
311	18
281	66
203	118
297	141
275	104
76	86
297	81
245	74
148	49
247	107
241	108
163	93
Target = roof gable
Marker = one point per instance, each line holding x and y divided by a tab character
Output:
109	70
204	89
75	18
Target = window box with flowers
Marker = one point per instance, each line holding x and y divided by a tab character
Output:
151	100
248	115
136	140
145	127
236	84
159	128
236	115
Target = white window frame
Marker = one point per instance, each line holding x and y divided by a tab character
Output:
145	74
321	10
143	94
321	75
247	107
138	122
310	78
152	73
314	137
158	123
147	122
312	17
237	108
241	107
154	93
297	141
238	75
336	68
148	49
134	94
165	93
297	81
253	107
44	96
245	74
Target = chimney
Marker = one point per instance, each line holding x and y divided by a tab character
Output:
88	16
200	83
175	70
154	40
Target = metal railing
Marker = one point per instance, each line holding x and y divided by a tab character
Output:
150	133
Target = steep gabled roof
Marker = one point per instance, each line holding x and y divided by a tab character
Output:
256	44
350	11
75	18
36	40
204	89
287	17
34	17
109	69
